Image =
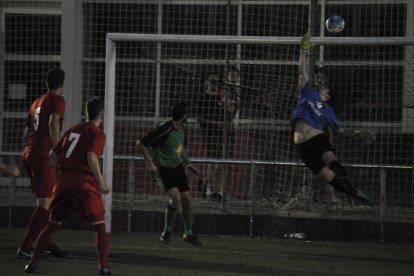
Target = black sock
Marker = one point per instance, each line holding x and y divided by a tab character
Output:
344	186
337	167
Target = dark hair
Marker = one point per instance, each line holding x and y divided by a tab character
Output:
178	111
94	107
55	78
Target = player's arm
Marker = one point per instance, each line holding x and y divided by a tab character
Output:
188	165
212	86
305	45
26	133
9	169
366	136
154	138
27	129
53	158
93	163
145	151
54	128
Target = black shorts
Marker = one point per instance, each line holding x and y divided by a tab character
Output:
172	177
312	150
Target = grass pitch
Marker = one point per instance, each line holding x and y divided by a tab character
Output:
144	254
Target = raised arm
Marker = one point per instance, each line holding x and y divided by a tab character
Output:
305	45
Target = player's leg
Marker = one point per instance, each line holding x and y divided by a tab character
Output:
48	175
89	204
102	245
186	210
40	214
41	245
37	222
174	199
187	213
331	195
317	153
188	219
335	174
166	177
339	172
60	207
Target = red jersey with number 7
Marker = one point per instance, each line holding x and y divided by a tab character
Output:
38	121
73	147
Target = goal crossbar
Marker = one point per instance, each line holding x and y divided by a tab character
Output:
280	40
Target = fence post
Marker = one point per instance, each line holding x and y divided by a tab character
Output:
131	191
12	194
383	199
252	197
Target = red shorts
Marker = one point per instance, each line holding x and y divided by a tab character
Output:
42	173
77	192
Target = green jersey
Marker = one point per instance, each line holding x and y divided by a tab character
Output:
167	143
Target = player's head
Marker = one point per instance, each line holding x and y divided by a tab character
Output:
179	111
55	78
322	85
94	109
233	74
325	93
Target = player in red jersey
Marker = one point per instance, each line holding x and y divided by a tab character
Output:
42	132
79	183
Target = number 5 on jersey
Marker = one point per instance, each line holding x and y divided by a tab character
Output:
73	139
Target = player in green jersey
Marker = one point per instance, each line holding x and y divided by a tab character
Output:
168	163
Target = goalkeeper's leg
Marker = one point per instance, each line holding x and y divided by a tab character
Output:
335	174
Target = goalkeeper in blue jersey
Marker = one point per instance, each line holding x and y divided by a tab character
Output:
168	164
309	118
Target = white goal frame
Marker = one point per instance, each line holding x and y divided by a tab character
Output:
110	62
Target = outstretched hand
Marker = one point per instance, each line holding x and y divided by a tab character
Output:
366	136
306	42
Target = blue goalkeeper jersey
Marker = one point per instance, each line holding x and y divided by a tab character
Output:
314	111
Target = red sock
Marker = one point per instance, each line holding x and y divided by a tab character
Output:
37	223
102	243
50	239
42	242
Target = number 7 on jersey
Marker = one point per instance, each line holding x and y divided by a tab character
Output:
73	138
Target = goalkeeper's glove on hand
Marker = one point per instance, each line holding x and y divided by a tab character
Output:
366	136
306	42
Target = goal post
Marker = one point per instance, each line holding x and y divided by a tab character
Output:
112	39
109	116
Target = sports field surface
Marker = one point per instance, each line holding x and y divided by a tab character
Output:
144	254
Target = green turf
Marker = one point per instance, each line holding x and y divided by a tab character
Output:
144	254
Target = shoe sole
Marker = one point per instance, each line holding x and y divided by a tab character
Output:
187	241
24	255
164	241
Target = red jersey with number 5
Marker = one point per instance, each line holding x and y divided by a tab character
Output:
75	144
38	121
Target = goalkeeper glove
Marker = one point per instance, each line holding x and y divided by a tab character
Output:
306	42
366	136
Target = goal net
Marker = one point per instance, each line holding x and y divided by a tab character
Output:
241	92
